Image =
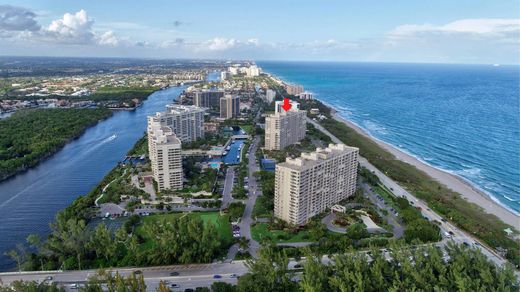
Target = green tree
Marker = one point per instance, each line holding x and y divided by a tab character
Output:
269	272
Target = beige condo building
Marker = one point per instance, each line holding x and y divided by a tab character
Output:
306	186
229	106
165	155
186	121
284	128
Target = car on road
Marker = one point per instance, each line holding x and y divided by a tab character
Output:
174	285
189	290
233	276
217	276
447	234
173	274
73	286
137	272
48	278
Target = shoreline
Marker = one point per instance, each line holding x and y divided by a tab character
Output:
451	181
48	155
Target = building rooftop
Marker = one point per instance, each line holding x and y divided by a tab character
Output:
162	134
307	160
180	109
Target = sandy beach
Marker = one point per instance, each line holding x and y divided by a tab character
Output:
455	183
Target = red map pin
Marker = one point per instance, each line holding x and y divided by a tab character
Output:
286	104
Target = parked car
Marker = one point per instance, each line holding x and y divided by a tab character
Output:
173	274
217	276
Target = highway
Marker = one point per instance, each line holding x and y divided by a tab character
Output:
190	276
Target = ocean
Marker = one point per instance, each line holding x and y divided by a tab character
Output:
464	119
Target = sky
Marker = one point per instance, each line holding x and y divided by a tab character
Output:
441	31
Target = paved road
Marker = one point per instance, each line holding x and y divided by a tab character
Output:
247	220
190	276
228	187
459	236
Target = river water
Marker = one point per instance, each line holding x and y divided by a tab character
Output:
30	201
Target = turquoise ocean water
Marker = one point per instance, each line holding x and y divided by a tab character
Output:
463	119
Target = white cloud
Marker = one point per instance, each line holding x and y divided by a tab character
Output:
71	28
108	38
477	27
219	44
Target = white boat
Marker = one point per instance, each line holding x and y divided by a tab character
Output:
227	148
224	153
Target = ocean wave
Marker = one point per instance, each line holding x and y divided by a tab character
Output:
375	128
510	199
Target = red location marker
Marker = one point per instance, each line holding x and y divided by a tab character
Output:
286	104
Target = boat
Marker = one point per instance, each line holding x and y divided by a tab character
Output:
224	153
227	148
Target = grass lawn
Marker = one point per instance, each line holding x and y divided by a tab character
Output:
247	128
260	231
260	210
221	222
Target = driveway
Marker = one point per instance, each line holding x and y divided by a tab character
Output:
327	220
228	187
247	220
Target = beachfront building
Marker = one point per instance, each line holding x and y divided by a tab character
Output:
306	186
306	95
270	95
293	89
186	121
252	71
284	128
229	106
165	155
207	99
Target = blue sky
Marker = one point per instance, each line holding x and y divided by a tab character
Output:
389	31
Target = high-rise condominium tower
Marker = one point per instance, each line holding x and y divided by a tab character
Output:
284	128
186	121
308	185
165	155
229	106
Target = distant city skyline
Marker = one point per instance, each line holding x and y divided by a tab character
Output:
370	31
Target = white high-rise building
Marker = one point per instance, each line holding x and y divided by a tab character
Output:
306	186
165	155
224	75
306	95
186	121
233	70
270	95
284	128
253	71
